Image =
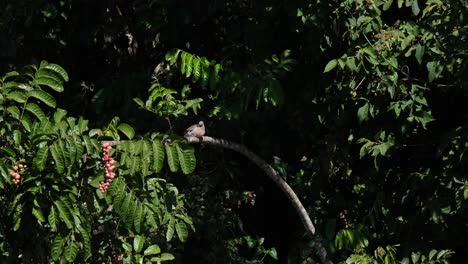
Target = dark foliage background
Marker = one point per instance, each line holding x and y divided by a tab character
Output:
360	104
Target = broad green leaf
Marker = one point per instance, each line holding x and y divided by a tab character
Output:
17	96
172	158
183	62
170	229
86	241
71	251
196	69
58	158
64	214
415	7
172	55
14	111
35	110
363	113
139	216
26	122
44	97
127	247
59	70
59	115
56	248
415	257
139	102
167	256
330	65
40	159
419	53
189	64
50	82
52	219
273	253
186	155
181	230
37	212
138	243
387	5
152	250
127	130
48	73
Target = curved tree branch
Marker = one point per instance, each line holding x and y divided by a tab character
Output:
280	182
273	174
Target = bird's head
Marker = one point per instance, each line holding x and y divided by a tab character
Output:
200	124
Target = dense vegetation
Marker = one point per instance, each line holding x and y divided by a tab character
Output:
360	105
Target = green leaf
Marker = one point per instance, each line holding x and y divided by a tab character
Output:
415	257
14	111
50	82
58	158
186	155
26	122
188	64
86	241
172	55
127	247
48	73
56	68
52	219
196	69
152	250
17	96
363	113
37	212
181	230
127	130
170	229
44	97
82	125
59	115
139	216
419	53
36	110
166	256
172	159
272	252
71	251
330	65
56	248
139	102
415	7
64	214
138	243
433	69
387	5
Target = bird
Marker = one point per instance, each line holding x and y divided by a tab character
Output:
197	130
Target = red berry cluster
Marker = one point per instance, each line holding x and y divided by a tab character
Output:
15	174
109	165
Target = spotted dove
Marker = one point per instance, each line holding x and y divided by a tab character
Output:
197	130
